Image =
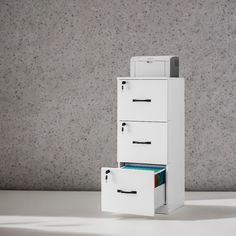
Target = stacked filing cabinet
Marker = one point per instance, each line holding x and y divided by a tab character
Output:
150	140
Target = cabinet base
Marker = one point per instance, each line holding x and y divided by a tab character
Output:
167	209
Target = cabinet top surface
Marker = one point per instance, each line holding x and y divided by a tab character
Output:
151	58
149	78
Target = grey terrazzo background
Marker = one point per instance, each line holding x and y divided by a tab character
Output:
58	66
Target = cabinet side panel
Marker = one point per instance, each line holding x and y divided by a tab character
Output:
174	67
176	143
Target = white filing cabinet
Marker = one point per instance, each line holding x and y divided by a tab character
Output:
150	136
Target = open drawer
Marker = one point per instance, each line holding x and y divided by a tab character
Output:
131	191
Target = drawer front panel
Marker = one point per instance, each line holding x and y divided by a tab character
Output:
142	100
128	191
142	142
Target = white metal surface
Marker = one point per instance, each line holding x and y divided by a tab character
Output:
159	196
176	143
154	66
142	142
142	100
175	181
117	191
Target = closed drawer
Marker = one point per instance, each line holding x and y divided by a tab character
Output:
142	142
142	100
131	191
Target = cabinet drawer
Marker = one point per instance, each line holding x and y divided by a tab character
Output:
142	142
142	100
131	191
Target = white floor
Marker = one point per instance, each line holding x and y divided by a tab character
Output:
25	213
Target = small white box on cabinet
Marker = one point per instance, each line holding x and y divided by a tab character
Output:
154	66
150	135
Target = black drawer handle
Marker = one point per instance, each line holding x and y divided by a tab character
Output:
142	100
128	192
137	142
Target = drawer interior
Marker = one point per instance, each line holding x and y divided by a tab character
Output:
159	172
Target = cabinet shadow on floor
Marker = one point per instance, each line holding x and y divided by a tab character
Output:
198	206
193	213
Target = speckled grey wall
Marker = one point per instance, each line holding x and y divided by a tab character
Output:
59	62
